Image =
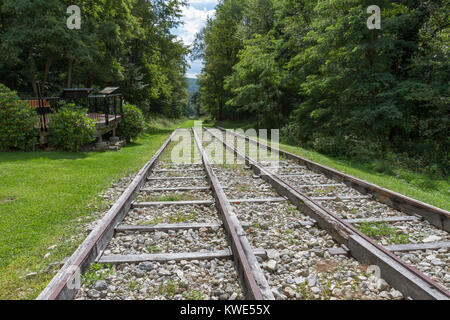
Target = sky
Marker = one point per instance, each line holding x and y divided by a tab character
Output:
194	17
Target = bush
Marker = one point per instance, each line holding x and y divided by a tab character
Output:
290	134
17	122
133	123
71	128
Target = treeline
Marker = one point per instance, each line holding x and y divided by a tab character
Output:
314	69
121	42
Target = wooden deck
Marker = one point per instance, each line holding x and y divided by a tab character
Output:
100	124
100	120
103	123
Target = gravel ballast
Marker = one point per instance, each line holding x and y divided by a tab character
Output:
184	280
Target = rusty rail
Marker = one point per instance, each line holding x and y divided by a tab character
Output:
63	285
246	263
411	282
436	216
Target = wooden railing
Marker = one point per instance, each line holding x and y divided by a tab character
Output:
101	108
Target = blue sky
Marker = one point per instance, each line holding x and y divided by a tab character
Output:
194	17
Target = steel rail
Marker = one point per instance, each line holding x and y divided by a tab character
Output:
349	226
436	216
410	281
64	285
252	279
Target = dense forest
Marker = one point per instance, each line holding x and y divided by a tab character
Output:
121	42
314	69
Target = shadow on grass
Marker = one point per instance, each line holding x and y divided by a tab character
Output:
158	131
19	156
41	155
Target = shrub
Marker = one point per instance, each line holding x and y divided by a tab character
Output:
133	123
71	128
17	122
290	134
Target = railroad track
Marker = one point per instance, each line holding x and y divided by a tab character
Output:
171	235
344	206
204	230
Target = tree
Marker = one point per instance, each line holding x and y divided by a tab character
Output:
218	45
313	68
256	82
121	42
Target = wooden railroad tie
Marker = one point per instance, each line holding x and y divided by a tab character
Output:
173	227
320	185
176	178
341	198
301	175
176	189
204	202
175	170
386	219
172	203
166	257
399	248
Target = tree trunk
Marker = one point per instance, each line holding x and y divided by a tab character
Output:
48	64
32	71
3	22
220	109
69	73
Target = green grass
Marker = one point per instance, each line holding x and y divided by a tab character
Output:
51	192
134	285
417	185
182	218
170	198
155	221
154	249
169	289
379	231
194	295
93	275
179	217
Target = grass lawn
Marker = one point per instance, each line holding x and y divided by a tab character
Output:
45	195
412	184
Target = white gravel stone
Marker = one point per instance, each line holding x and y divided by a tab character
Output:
431	239
94	294
395	294
273	254
290	292
271	265
300	280
147	266
302	248
312	281
100	285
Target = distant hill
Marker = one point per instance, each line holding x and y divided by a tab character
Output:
193	86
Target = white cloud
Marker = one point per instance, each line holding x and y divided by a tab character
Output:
195	16
202	2
194	19
192	75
